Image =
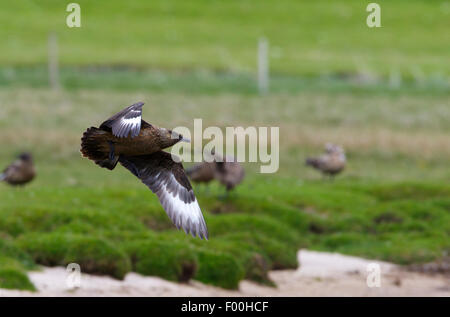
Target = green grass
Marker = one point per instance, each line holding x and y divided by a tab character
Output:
381	93
389	137
94	255
14	262
259	228
391	203
219	268
306	38
12	278
210	82
170	260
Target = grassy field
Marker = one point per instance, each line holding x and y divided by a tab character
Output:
383	94
407	134
307	38
391	203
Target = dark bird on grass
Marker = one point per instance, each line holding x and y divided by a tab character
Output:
226	170
137	145
331	163
202	173
229	172
20	171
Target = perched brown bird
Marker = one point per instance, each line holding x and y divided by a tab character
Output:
20	171
137	145
226	170
330	163
202	173
229	172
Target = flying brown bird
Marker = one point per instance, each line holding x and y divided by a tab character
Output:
331	163
20	171
137	145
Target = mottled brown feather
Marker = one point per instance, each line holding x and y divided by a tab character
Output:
20	172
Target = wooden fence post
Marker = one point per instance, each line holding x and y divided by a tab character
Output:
53	68
263	66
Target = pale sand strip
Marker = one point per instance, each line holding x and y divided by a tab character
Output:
320	274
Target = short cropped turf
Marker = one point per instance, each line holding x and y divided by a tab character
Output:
306	37
113	230
381	93
391	203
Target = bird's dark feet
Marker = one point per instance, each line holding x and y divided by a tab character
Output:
112	153
110	162
226	196
107	163
223	196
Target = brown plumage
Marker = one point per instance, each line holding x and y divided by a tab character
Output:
20	171
331	163
202	172
125	134
226	170
229	172
137	145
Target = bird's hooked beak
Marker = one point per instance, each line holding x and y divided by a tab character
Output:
183	139
180	137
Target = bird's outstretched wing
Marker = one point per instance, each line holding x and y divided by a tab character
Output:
125	122
168	180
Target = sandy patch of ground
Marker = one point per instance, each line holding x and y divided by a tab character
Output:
320	274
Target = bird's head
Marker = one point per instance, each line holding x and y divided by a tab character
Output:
178	137
25	156
329	148
333	148
170	137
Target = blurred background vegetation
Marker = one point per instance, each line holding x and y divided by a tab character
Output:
382	93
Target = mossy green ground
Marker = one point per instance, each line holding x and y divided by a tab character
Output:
381	93
391	203
112	230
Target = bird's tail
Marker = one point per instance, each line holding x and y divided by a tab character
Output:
93	147
91	144
2	177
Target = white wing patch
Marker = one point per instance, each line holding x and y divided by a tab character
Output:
126	125
168	181
184	215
